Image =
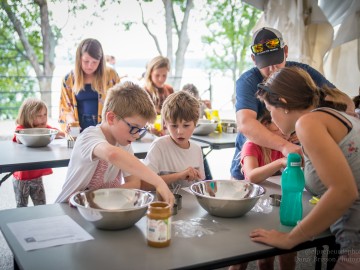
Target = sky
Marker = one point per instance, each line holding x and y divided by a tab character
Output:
115	40
127	46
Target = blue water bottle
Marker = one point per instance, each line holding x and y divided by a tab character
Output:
292	186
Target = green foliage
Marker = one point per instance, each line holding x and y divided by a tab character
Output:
229	23
16	83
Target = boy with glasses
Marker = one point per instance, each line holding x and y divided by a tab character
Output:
174	156
269	53
103	156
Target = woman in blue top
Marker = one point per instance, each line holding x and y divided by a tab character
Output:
84	89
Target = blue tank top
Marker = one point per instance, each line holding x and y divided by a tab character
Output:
87	101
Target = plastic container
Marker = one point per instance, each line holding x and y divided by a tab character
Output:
292	186
215	116
159	224
74	129
157	123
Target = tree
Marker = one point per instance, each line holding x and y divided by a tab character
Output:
173	28
230	23
27	31
15	84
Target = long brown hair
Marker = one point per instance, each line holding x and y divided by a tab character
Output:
299	90
94	49
155	63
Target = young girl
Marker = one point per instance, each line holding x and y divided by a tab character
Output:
259	163
32	114
331	142
83	90
155	77
154	83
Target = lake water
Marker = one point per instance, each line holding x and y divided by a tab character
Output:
222	86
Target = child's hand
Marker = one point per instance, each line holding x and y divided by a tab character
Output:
60	135
283	162
207	103
191	174
165	194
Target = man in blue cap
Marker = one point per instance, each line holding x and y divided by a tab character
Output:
269	53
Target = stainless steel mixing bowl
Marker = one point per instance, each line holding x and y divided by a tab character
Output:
204	127
36	137
112	208
227	198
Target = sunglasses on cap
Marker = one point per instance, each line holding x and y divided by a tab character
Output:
268	45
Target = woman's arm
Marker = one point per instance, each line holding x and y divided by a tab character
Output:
319	134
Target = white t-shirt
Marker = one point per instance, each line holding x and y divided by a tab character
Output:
84	167
165	157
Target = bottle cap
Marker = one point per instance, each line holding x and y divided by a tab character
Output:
293	160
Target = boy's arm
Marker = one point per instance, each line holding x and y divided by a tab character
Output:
168	179
129	163
131	181
189	174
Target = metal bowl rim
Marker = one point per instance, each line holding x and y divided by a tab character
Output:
263	190
73	202
53	131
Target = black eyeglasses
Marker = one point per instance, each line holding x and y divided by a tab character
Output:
262	86
134	129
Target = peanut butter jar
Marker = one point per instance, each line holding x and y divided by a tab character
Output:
159	224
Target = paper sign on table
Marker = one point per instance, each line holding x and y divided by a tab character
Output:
47	232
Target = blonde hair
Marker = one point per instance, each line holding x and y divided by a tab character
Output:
129	99
28	110
155	63
180	106
94	49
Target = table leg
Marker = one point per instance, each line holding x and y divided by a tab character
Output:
16	267
332	255
5	177
318	257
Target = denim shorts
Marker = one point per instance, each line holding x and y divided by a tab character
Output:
87	120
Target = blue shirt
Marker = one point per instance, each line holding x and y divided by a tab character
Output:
87	101
246	88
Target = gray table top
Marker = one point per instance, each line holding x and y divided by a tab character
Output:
218	140
227	243
16	157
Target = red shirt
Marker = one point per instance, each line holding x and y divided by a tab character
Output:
254	150
32	174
